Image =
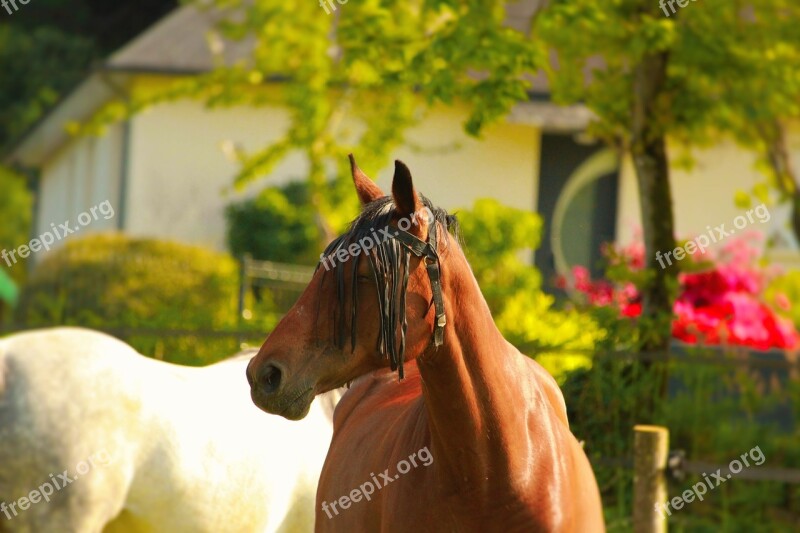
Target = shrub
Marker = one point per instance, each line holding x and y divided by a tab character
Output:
721	300
713	412
16	204
116	283
783	294
497	239
278	225
8	293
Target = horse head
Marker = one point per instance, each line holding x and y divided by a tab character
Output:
375	300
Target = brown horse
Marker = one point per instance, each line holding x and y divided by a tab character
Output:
470	436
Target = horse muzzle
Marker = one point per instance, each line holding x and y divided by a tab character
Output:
269	393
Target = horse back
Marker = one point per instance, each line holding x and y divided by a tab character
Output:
52	422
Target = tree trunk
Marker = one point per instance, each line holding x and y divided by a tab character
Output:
648	148
318	185
785	176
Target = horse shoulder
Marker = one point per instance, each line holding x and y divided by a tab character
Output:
581	485
547	384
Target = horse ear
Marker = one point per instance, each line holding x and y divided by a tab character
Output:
368	191
405	197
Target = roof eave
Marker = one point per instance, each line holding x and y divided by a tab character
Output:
48	133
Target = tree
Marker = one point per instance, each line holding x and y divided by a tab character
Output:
631	96
49	46
16	204
661	75
757	96
691	74
38	66
108	25
365	66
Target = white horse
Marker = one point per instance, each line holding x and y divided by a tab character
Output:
96	437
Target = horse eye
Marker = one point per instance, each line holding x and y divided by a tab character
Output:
364	278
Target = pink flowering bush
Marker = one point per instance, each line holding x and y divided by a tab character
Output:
720	299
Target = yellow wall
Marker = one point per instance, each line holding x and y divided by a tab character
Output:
81	175
178	169
702	196
503	165
180	178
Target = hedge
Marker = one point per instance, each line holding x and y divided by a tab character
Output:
116	283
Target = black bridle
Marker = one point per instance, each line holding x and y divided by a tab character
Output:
428	251
390	268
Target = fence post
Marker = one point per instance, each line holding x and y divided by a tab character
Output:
650	453
244	285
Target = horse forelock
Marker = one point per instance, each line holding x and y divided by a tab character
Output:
389	260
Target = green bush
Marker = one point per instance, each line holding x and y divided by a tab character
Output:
278	225
713	412
498	239
115	283
16	206
783	295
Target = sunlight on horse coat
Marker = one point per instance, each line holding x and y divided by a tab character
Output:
493	420
186	449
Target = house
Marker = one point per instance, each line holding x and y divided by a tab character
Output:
167	176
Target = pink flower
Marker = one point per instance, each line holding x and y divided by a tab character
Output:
723	305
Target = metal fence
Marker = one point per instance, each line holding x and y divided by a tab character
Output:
283	282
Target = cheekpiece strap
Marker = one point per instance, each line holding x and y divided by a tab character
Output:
428	251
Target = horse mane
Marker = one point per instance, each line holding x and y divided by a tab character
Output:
389	260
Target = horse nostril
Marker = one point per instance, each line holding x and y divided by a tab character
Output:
270	378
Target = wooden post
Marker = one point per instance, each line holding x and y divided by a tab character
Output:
244	286
650	453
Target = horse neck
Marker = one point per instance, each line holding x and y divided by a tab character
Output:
476	387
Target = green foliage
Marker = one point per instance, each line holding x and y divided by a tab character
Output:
783	295
16	205
754	94
278	225
497	238
48	46
714	412
620	33
604	402
8	291
733	69
282	223
115	283
725	66
38	66
109	24
392	59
